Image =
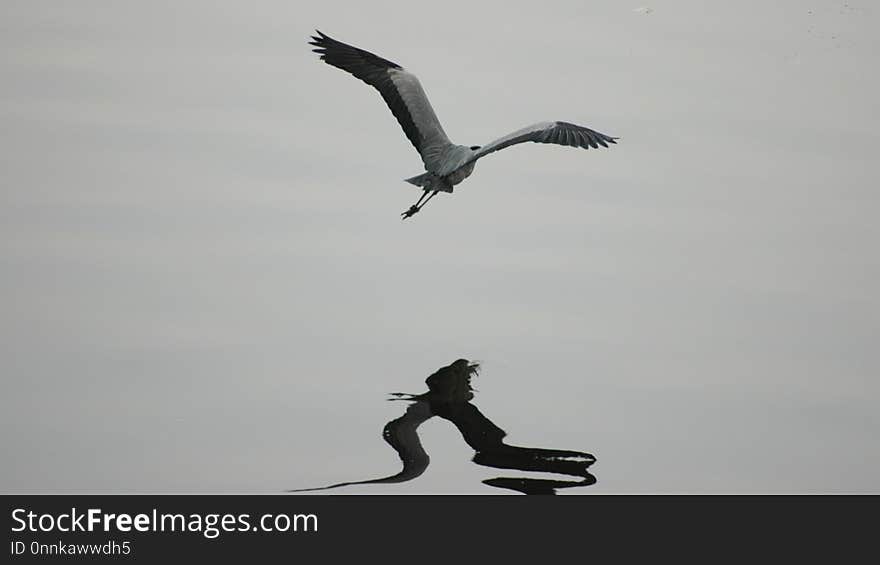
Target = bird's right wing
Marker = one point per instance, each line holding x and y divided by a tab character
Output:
559	133
401	90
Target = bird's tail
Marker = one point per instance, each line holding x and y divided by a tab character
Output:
430	181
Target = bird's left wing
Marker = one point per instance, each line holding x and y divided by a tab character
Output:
399	88
559	133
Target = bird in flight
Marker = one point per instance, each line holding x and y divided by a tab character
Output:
446	164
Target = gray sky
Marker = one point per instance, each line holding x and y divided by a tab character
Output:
206	285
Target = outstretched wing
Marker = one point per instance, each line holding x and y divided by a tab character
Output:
560	133
401	90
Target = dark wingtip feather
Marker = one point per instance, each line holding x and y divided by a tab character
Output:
320	40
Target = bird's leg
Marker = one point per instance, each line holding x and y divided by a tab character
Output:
415	207
425	203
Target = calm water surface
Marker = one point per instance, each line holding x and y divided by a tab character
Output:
206	286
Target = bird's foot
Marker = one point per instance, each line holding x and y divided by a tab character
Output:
409	213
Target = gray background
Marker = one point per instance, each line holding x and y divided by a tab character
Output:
206	285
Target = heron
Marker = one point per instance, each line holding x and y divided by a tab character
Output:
446	164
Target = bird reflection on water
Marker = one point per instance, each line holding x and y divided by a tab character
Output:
449	397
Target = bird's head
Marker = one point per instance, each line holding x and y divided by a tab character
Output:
474	147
